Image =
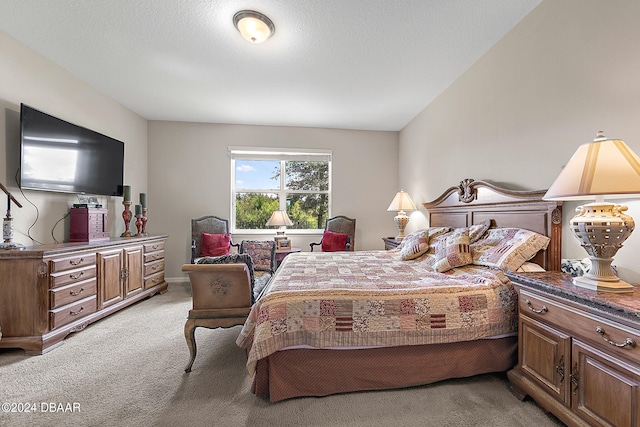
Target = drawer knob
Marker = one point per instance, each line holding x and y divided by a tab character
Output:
542	310
627	342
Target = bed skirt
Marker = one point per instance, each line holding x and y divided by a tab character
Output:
311	372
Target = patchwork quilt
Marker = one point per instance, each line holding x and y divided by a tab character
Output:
373	298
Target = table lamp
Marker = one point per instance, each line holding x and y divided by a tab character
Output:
604	167
281	219
401	202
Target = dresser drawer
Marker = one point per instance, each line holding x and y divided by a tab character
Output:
154	267
71	276
153	256
77	261
151	281
73	292
154	246
616	338
69	313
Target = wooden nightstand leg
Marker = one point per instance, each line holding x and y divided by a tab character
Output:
190	336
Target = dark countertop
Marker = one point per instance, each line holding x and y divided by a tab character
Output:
623	306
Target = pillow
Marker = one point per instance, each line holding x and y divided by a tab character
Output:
478	230
262	253
416	243
507	248
453	251
215	244
530	267
333	242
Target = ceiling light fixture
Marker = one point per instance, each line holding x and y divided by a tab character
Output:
254	26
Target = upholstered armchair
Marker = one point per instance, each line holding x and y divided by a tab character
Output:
222	295
339	235
216	240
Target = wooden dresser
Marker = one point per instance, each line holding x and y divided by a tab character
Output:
578	350
49	291
390	243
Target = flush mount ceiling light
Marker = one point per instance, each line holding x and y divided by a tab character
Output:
254	26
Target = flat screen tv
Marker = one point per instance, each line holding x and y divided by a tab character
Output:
56	155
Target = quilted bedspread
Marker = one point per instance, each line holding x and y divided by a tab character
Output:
372	298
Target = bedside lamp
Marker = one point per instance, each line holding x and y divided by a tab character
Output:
281	219
400	203
604	167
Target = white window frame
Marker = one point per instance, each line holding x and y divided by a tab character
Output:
283	155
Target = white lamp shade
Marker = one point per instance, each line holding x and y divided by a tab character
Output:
604	167
279	218
401	202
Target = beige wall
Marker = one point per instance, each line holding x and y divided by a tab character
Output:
569	69
190	176
31	79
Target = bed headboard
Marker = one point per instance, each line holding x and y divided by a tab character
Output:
472	202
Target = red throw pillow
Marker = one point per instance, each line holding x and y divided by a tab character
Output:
215	244
333	242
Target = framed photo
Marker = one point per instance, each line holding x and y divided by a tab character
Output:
284	244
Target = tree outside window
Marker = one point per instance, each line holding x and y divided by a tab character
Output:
293	181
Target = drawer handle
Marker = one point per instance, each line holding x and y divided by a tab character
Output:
75	313
72	262
155	267
544	308
628	342
75	294
76	277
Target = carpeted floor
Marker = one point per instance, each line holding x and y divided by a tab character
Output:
128	370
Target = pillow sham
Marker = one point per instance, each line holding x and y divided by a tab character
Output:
478	230
453	251
414	244
333	242
530	267
417	243
215	244
507	248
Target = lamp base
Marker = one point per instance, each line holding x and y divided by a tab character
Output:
11	245
401	221
618	287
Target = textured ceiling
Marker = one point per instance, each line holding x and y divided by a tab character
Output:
351	64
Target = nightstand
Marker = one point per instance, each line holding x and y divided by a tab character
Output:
578	354
390	243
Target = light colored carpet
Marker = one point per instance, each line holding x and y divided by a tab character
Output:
128	370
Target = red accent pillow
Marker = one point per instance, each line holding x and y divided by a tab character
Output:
215	244
333	242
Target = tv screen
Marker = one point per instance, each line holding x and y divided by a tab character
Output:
56	155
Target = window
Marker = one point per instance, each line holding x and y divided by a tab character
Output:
264	180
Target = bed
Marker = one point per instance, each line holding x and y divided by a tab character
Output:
367	320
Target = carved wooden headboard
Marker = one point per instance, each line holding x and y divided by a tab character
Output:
472	202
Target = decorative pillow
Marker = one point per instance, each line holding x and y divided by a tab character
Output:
333	242
507	248
478	230
262	253
414	244
453	251
215	244
530	267
417	243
